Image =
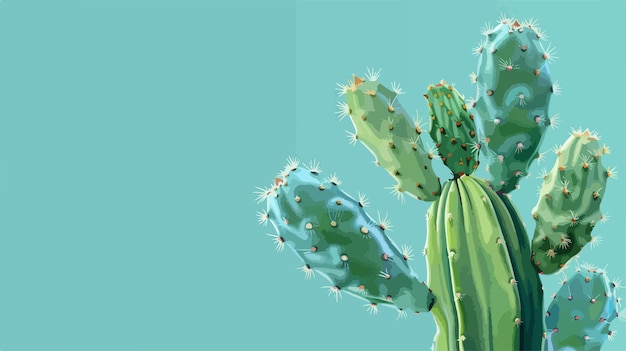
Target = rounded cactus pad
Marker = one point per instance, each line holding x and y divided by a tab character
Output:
569	202
386	130
335	238
453	129
580	314
514	91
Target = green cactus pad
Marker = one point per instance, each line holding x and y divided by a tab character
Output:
453	129
580	315
337	239
569	202
470	271
385	129
514	90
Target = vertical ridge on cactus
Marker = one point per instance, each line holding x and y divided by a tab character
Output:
514	90
470	268
444	312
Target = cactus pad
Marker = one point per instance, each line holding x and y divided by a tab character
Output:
470	271
579	317
383	126
514	90
335	238
569	202
453	129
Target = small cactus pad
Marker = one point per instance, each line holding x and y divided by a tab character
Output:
453	129
514	90
580	315
479	305
383	126
569	202
337	239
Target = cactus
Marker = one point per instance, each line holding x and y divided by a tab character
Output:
569	201
385	129
334	237
514	90
482	268
580	316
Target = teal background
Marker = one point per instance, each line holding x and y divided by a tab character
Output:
133	134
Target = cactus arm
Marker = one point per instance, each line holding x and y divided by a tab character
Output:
384	128
526	278
443	312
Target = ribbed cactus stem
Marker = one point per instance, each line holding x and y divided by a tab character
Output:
470	268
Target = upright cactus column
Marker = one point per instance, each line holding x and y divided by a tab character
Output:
453	129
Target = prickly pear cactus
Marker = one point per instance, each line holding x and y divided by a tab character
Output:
488	292
337	239
569	201
453	129
514	90
580	315
383	126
